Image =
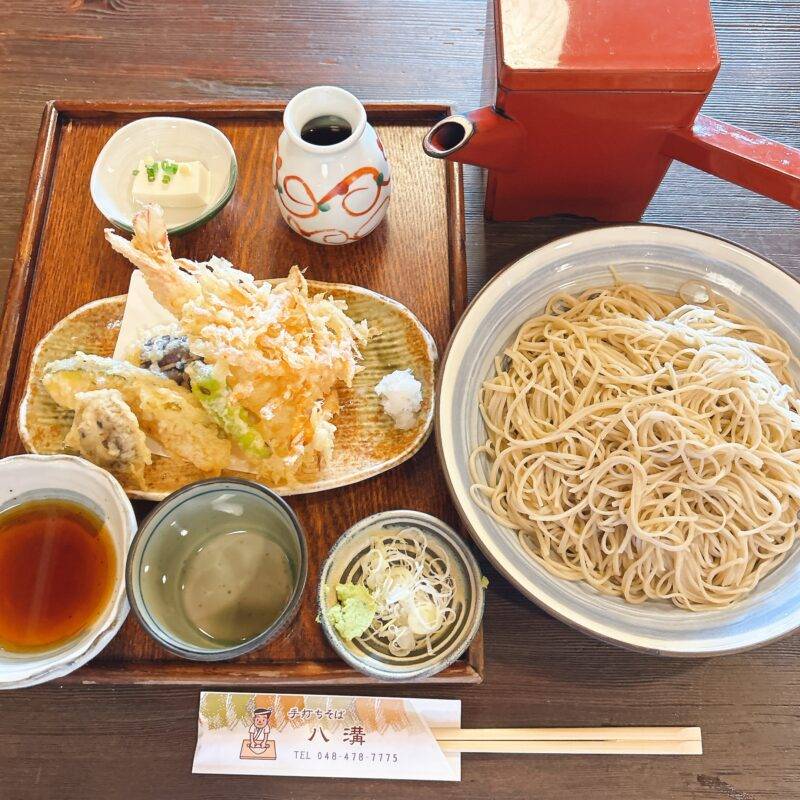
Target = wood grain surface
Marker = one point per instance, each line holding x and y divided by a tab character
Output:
137	742
414	257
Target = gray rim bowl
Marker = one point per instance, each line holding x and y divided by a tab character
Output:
660	257
466	569
148	528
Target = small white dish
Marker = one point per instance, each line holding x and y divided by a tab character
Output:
31	477
174	138
341	566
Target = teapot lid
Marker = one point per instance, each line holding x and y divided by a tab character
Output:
585	45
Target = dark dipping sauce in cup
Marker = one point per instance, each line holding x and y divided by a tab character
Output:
57	573
326	130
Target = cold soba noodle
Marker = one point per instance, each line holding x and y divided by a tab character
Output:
648	447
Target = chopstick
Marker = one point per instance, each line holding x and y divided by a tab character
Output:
561	734
623	741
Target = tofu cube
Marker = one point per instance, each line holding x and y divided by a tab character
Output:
187	188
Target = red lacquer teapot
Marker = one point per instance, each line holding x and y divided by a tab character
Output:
592	100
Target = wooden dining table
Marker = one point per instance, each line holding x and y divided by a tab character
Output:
137	741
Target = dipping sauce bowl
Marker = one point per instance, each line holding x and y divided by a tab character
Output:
29	479
217	569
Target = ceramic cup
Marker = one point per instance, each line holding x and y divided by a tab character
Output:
330	193
195	561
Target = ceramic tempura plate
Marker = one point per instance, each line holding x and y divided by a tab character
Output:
367	442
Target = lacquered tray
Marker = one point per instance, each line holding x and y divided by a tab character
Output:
416	257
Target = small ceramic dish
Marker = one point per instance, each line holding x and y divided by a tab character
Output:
341	566
32	477
174	138
198	570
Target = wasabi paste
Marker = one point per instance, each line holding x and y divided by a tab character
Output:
354	612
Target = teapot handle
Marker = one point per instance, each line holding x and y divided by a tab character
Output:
739	156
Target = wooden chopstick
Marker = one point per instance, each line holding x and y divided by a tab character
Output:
625	741
560	734
620	747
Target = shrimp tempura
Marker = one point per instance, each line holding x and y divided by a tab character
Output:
277	353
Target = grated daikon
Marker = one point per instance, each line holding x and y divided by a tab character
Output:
401	397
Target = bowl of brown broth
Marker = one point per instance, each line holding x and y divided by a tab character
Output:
217	569
65	527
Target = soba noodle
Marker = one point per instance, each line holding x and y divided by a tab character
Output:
648	447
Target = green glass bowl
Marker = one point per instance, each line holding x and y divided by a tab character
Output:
163	559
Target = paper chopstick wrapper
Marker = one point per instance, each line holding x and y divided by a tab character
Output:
325	736
143	313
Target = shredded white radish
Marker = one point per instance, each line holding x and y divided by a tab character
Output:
412	588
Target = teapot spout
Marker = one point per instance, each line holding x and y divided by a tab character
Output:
483	137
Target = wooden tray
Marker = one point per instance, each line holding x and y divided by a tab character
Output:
416	256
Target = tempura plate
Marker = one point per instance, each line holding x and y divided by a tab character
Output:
367	442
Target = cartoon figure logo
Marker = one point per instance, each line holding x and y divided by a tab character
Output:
259	745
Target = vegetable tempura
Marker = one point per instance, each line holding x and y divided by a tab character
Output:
269	357
165	411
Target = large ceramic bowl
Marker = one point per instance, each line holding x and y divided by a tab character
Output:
659	258
32	477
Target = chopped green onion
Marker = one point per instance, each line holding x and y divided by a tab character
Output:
151	171
136	172
170	167
166	178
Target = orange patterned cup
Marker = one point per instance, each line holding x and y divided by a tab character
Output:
330	172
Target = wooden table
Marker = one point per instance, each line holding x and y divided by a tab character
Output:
138	742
